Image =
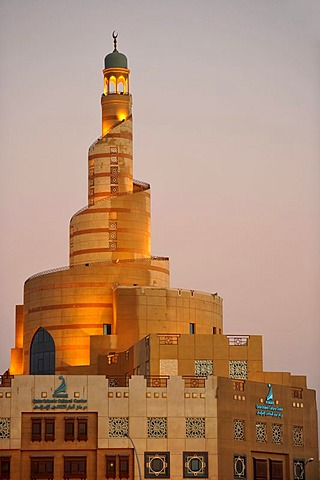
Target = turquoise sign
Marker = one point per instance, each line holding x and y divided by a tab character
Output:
60	400
268	408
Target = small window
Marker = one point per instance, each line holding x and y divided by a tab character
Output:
69	429
276	469
157	465
75	467
4	467
260	468
195	464
49	428
107	329
42	467
82	429
36	430
111	466
297	393
239	466
123	466
192	328
214	330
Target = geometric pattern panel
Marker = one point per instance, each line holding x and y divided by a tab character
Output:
298	469
156	465
277	433
195	464
202	368
239	466
195	427
118	427
169	367
261	432
238	369
297	433
4	427
238	430
157	427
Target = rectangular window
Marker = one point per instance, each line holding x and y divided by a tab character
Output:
260	469
4	467
69	429
49	429
238	385
156	465
195	464
192	328
123	466
214	330
107	329
42	467
75	467
36	429
111	466
276	470
297	393
82	429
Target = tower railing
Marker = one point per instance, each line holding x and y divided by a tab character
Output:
109	262
6	379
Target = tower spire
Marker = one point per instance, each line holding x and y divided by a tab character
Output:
115	36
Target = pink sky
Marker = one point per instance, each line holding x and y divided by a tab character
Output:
226	112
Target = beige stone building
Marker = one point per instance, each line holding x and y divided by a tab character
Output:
116	375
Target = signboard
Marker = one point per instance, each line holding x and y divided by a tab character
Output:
60	400
268	408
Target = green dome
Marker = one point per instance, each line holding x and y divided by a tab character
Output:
115	59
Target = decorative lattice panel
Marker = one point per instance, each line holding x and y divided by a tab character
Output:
4	428
238	430
195	427
203	368
261	432
118	427
297	434
157	427
238	369
169	367
277	433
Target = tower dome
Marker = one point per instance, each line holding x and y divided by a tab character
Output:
115	59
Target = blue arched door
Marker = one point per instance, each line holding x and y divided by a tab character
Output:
42	353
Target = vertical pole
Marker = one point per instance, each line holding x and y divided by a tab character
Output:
136	453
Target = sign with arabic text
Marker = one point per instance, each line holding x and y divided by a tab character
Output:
60	400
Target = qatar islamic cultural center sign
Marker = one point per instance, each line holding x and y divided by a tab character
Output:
268	408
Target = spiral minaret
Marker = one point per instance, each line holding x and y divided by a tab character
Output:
71	309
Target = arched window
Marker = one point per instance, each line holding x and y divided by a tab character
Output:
121	85
112	84
105	87
42	353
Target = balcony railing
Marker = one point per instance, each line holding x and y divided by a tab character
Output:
168	339
118	380
194	382
238	340
157	381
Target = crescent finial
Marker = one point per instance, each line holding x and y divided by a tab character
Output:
115	36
